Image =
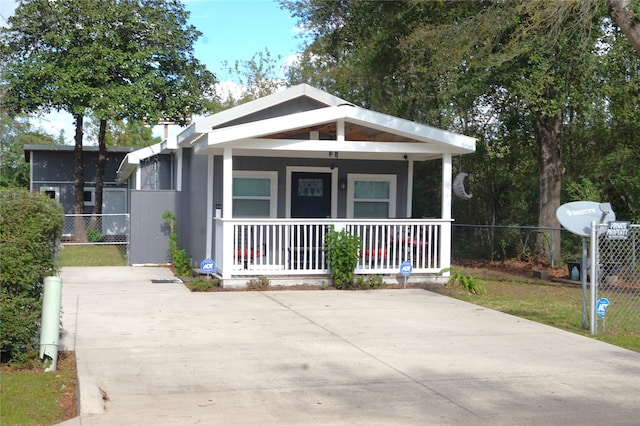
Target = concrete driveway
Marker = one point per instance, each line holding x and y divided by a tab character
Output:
164	356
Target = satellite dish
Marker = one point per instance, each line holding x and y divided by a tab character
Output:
578	215
458	187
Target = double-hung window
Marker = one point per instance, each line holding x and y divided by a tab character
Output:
371	196
254	194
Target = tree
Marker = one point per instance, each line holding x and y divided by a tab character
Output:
252	79
15	132
626	14
461	65
110	58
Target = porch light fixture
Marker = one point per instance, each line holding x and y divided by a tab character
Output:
342	184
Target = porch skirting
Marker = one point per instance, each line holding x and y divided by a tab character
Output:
326	282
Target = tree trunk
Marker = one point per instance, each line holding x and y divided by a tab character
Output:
628	22
549	184
100	166
79	230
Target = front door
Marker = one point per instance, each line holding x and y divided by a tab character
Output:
310	194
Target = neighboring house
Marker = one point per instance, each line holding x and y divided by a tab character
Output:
256	187
52	172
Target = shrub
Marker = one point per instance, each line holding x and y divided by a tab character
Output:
259	283
30	229
369	282
465	280
342	253
203	284
93	235
179	257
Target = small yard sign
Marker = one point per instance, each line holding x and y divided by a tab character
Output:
405	269
601	306
208	266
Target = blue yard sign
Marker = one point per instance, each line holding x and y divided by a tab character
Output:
601	306
208	266
406	268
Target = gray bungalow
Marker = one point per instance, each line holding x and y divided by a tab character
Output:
52	172
256	187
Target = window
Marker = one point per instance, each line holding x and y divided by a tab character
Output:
52	192
254	194
371	196
89	196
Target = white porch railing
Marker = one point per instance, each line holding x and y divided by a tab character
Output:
294	246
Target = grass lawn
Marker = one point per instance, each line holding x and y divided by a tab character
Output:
546	302
31	396
92	255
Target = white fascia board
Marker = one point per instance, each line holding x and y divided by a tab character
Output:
449	141
410	129
169	144
303	145
343	155
269	126
125	169
132	160
186	136
269	101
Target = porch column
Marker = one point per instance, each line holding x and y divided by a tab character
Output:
209	206
445	237
179	170
227	213
409	189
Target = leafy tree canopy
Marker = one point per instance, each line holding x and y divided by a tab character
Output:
114	59
15	132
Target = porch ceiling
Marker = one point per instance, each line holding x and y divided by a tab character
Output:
353	132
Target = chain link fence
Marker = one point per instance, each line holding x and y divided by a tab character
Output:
501	242
105	229
618	279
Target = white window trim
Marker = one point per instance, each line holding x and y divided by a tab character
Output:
55	189
353	177
92	191
273	188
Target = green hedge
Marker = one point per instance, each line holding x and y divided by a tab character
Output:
30	229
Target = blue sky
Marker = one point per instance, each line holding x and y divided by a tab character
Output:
232	30
238	29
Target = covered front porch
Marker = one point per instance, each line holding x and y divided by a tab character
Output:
294	247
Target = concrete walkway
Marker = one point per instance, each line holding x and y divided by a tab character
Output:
164	356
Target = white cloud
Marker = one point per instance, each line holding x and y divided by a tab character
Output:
55	122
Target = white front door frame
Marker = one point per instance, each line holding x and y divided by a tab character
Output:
334	186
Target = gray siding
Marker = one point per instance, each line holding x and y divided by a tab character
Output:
53	166
157	172
290	107
399	168
192	212
149	232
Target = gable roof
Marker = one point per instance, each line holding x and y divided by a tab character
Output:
304	121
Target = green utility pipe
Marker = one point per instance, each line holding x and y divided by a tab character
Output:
50	332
